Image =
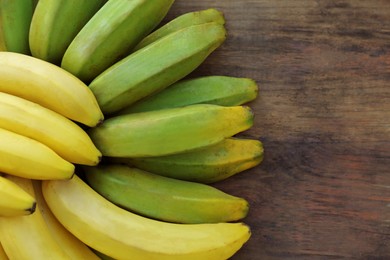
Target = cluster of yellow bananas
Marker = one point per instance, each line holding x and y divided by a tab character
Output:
82	80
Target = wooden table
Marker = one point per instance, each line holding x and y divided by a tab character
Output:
323	115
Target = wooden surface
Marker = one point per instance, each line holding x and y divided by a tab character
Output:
323	115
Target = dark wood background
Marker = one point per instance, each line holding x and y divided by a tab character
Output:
323	115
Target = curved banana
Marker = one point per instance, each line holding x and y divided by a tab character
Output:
111	34
59	133
55	24
182	21
24	157
15	19
50	86
207	165
124	235
217	90
28	237
155	67
72	246
169	131
14	201
164	198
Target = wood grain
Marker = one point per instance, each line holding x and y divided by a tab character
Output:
323	114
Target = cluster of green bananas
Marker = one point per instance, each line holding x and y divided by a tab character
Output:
107	150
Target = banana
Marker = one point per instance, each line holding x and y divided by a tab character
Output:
206	165
28	237
121	234
59	133
218	90
55	24
164	198
14	201
111	34
182	21
155	67
28	158
169	131
15	22
50	86
72	246
3	255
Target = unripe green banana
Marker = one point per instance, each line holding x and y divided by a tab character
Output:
111	34
217	90
156	66
182	21
164	198
206	165
15	22
169	131
55	24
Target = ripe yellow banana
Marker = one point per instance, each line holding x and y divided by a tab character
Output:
164	198
155	67
59	133
26	157
182	21
50	86
169	131
111	34
124	235
14	201
217	90
3	255
28	237
72	246
207	165
15	19
55	24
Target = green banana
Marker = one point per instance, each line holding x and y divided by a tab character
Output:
169	131
156	66
206	165
55	24
164	198
15	21
111	34
182	21
218	90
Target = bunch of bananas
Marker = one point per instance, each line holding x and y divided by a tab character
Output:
107	150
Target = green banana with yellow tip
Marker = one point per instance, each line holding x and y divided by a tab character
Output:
164	198
169	131
206	165
217	90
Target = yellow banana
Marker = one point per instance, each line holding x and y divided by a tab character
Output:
50	86
182	21
124	235
26	157
3	255
28	237
14	201
72	246
59	133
